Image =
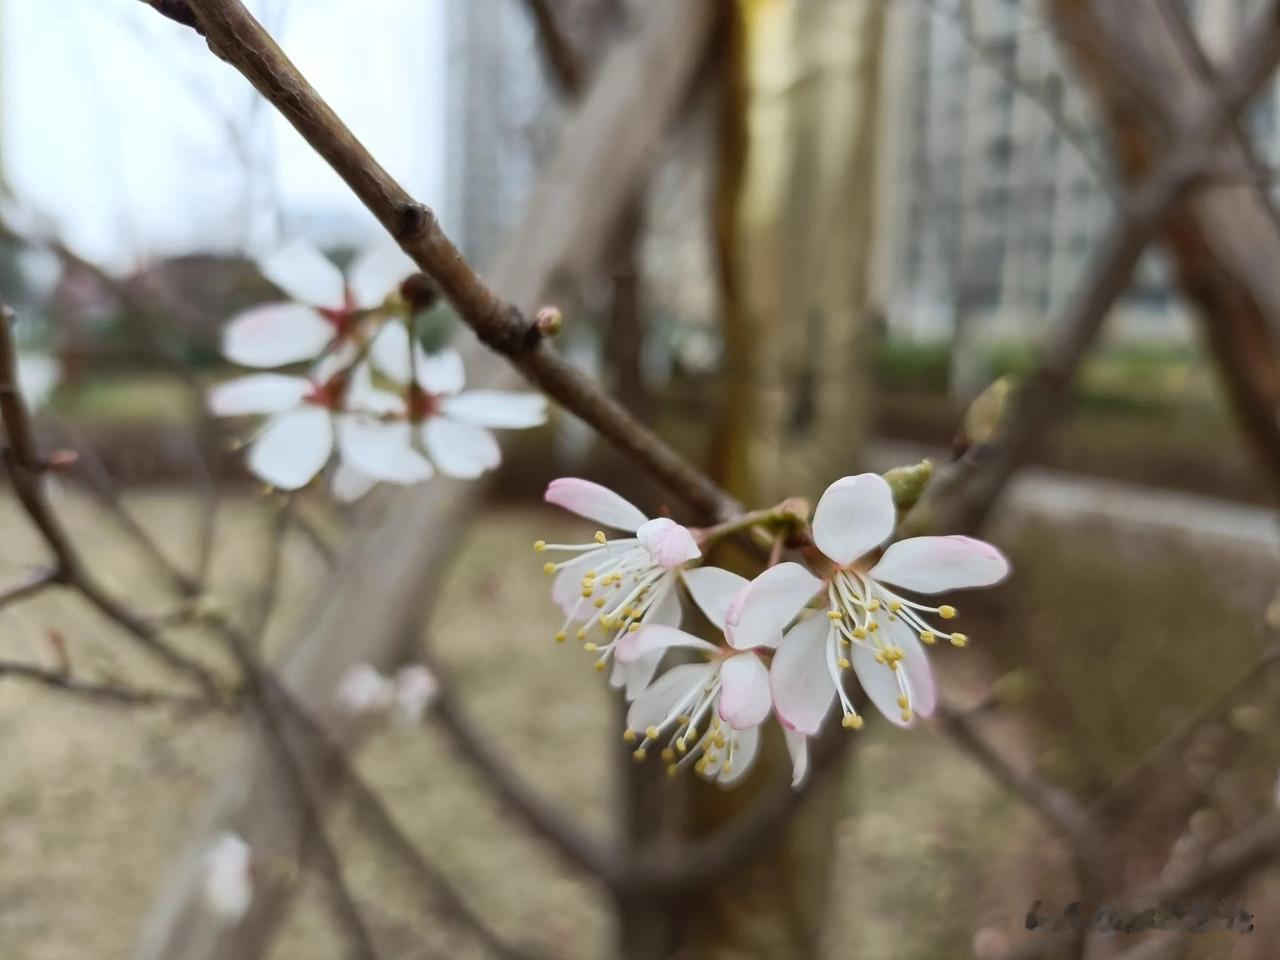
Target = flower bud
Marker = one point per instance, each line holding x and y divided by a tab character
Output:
549	321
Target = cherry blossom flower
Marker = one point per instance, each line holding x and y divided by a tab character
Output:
228	881
366	692
415	690
452	426
869	626
731	690
307	417
324	309
617	586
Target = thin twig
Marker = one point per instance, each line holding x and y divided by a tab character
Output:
33	584
566	66
110	693
235	35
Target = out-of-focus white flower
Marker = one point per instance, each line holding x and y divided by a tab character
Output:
228	880
364	691
324	307
415	690
731	690
868	626
308	416
38	374
617	585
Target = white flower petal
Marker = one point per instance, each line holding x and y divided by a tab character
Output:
936	564
664	611
498	408
363	397
880	683
441	373
38	374
305	274
349	484
771	601
293	448
258	393
459	449
382	449
798	748
634	678
920	685
416	688
228	883
668	543
390	351
714	591
855	515
377	272
746	746
635	644
800	678
652	707
594	502
745	700
363	690
274	334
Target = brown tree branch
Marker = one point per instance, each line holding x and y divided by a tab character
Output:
109	693
234	33
561	58
33	584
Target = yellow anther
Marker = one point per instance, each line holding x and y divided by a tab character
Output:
539	545
834	615
561	636
632	628
873	606
682	746
851	722
600	536
599	666
906	714
640	754
927	636
684	718
672	769
548	568
587	593
590	647
959	639
880	657
581	633
728	767
629	735
845	641
903	702
895	605
860	633
691	734
872	627
668	754
719	741
893	664
652	732
946	612
843	663
599	602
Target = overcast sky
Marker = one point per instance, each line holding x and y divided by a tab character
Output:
138	142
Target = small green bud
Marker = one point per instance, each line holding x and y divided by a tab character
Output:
908	483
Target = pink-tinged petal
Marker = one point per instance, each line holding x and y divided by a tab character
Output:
798	748
391	351
634	678
257	393
305	274
501	409
377	272
441	373
674	690
459	449
745	700
664	611
880	683
714	591
349	484
937	564
771	601
635	644
274	334
746	746
293	448
382	449
855	515
595	502
923	691
800	679
668	543
566	586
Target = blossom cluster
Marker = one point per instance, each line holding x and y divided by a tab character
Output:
368	391
788	638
